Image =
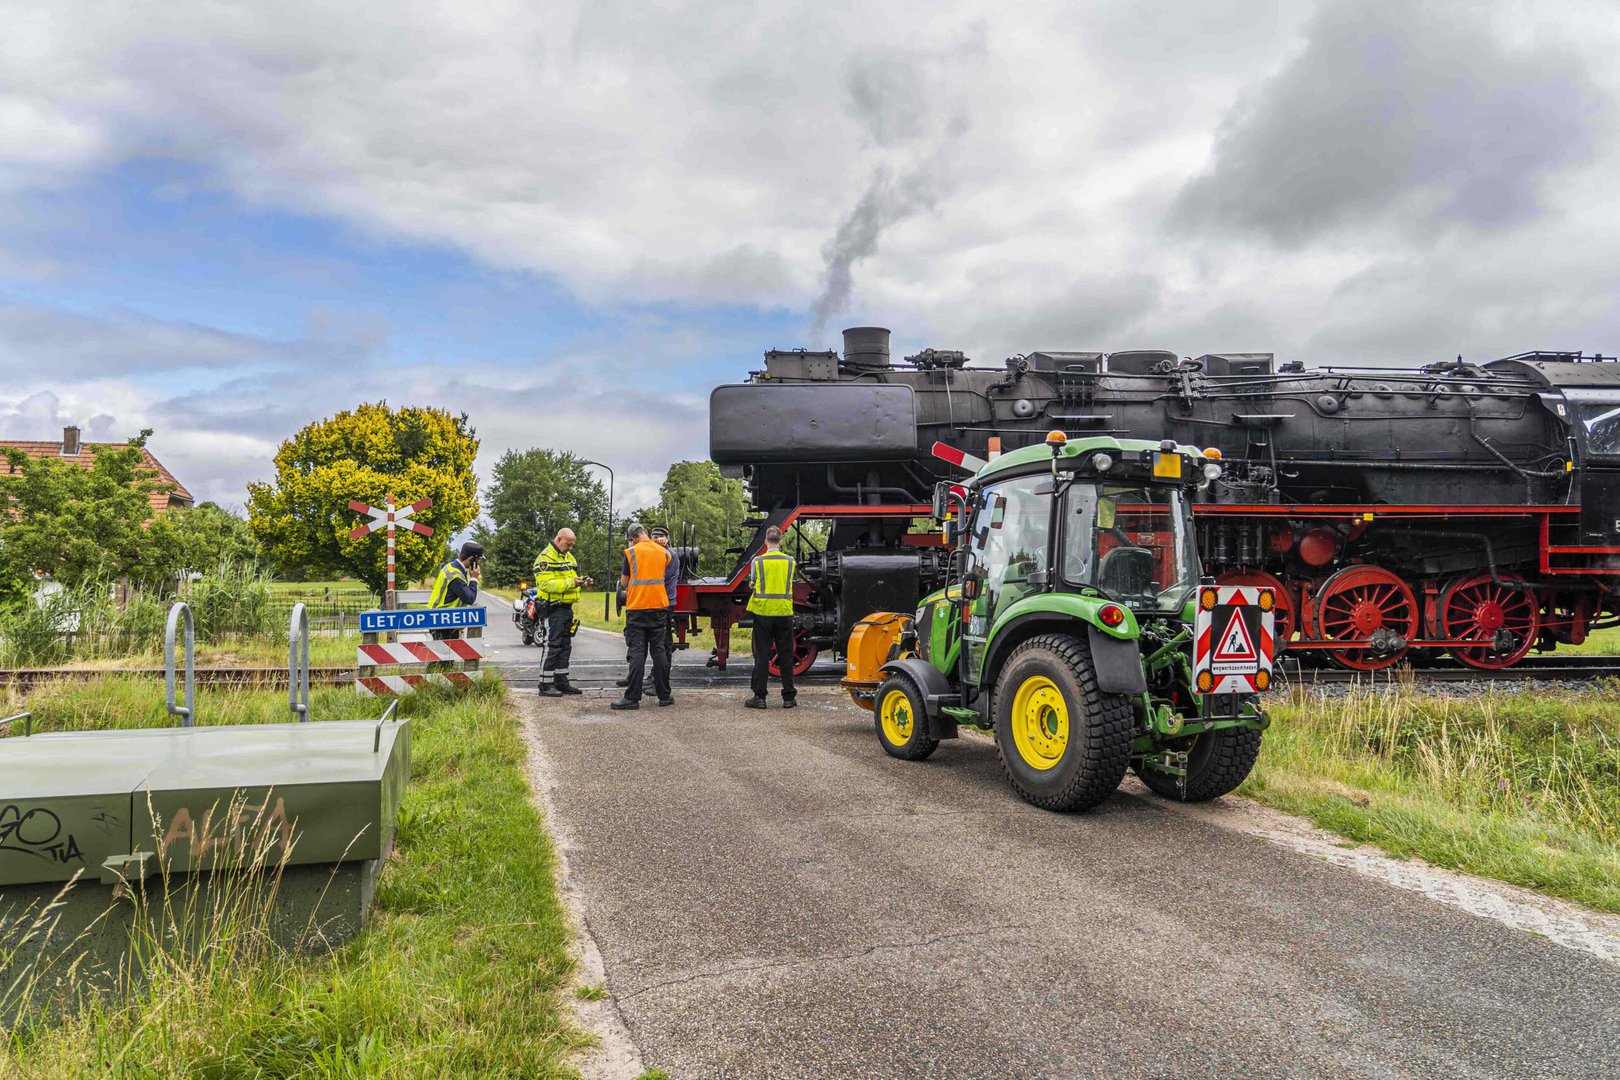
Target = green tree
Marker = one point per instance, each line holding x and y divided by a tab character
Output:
700	506
205	537
531	495
302	520
80	525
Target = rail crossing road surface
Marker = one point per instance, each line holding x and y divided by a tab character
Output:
772	896
598	655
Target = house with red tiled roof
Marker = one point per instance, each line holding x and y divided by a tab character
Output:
83	454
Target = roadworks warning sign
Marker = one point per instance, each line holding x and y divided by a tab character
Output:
1235	653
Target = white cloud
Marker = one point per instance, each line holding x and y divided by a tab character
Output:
1002	177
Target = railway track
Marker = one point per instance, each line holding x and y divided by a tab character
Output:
1544	669
524	676
260	678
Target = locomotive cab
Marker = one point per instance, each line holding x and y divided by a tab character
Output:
1584	394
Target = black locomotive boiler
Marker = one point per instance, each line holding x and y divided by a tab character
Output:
1469	509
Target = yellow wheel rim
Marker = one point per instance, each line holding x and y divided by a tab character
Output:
895	713
1040	723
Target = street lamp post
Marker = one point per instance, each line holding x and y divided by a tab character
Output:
609	537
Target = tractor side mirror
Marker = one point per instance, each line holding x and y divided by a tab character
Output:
953	532
942	500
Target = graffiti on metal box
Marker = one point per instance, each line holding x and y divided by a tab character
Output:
38	832
241	830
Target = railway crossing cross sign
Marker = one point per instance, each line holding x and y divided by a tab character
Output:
1234	637
388	518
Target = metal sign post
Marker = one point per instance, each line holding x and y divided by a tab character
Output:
386	518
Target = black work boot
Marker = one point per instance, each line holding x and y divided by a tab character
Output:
565	687
754	703
550	691
624	703
790	703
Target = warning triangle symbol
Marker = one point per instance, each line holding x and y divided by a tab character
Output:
1236	644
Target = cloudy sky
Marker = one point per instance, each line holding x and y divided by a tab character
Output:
571	220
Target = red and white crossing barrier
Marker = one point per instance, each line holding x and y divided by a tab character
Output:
422	652
395	685
960	458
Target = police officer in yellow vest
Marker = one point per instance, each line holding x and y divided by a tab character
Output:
457	583
770	583
557	583
648	577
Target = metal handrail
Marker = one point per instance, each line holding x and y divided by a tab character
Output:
187	712
376	734
298	663
28	722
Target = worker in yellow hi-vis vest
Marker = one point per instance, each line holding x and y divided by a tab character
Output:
457	583
770	601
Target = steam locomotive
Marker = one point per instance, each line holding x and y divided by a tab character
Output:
1455	508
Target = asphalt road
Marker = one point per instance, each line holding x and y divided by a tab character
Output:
773	896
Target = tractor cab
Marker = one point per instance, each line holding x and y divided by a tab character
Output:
1074	628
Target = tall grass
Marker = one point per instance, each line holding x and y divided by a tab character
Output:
460	974
1523	786
233	608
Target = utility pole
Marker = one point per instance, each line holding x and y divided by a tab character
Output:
610	575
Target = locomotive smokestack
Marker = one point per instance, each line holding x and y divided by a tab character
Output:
866	346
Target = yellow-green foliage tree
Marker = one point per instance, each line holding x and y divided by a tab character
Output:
302	520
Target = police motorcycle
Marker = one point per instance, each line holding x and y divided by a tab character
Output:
529	616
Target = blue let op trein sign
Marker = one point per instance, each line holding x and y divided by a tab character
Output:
444	618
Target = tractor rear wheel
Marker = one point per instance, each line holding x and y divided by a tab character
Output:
1217	762
1064	744
902	722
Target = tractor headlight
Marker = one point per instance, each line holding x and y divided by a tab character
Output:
1212	471
1101	462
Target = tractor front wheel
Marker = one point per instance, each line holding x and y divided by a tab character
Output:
1217	762
902	723
1064	744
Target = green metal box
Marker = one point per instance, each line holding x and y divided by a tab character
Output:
137	812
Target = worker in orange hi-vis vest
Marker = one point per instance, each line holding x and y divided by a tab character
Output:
647	575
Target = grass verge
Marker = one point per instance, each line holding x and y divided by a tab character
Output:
463	971
1521	786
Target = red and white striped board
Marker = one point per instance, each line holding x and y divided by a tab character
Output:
960	458
422	652
1234	639
395	685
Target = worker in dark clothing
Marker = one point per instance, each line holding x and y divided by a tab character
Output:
457	583
647	575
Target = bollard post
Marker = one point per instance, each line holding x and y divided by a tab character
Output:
298	663
187	712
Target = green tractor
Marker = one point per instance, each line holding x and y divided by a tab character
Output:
1075	627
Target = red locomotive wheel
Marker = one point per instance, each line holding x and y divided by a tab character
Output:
1363	602
1285	599
1480	609
804	654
